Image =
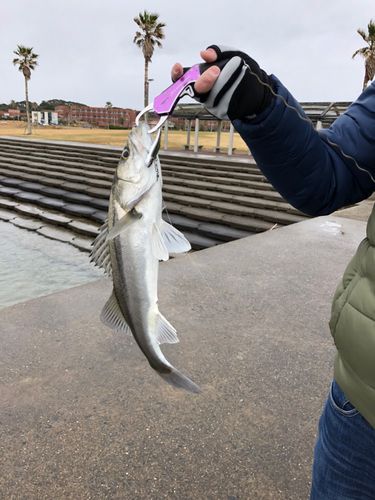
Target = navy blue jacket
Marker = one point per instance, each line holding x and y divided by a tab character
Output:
303	167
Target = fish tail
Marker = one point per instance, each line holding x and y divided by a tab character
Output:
179	380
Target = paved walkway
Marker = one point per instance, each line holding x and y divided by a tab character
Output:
84	416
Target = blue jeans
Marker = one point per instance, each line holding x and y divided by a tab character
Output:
344	460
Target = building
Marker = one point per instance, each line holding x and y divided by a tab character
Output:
14	113
100	116
44	117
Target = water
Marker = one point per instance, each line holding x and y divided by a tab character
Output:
32	266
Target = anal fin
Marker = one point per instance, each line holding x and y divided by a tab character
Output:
165	333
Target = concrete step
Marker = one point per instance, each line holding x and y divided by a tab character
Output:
186	159
210	199
238	199
208	172
61	157
231	208
66	147
112	153
217	231
48	163
208	166
258	184
58	177
187	171
216	184
212	169
205	215
51	223
91	211
57	172
74	192
78	174
100	179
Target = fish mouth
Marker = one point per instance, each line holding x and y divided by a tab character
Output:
141	144
154	150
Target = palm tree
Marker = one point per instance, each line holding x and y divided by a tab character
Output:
26	61
150	35
368	52
108	107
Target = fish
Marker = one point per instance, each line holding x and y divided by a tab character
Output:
129	247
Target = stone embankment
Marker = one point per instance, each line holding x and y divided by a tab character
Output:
61	190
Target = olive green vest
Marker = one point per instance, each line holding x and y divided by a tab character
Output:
352	326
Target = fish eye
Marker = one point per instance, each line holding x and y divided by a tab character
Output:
125	154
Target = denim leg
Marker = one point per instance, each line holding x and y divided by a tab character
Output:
344	459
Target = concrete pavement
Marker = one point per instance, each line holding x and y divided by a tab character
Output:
84	416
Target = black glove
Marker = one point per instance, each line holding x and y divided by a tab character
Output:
236	93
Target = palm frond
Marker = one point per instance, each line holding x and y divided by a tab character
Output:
360	51
368	53
362	33
371	30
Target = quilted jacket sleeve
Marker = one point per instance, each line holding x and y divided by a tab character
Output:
308	172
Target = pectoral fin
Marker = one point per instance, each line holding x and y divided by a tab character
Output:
121	225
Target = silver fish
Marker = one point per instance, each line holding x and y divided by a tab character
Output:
129	248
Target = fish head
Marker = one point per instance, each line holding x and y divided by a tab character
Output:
137	156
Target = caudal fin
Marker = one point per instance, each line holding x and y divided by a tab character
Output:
179	380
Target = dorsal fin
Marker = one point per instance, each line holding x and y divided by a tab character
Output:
100	251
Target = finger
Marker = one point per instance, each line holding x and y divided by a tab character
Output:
209	55
177	72
206	80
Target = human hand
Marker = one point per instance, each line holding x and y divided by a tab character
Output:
207	79
232	91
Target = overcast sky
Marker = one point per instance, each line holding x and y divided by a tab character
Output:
86	50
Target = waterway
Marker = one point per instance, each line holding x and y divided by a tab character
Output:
32	266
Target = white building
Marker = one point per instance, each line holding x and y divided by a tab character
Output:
45	117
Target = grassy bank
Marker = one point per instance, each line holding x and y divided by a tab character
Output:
176	139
